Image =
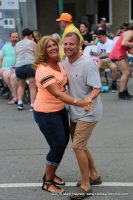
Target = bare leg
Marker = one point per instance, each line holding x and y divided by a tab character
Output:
21	88
32	87
50	173
92	169
84	156
1	74
125	70
14	85
113	68
84	167
6	76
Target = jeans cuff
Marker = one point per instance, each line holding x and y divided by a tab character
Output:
51	163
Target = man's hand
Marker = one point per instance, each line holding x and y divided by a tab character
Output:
90	105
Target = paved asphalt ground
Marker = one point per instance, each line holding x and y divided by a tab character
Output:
23	149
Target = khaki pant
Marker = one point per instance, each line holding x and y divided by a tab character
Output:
80	133
108	64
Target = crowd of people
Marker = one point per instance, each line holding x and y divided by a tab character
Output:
16	59
64	81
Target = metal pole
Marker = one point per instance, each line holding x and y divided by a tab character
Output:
60	10
19	28
60	6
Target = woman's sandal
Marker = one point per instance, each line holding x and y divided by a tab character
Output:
49	183
57	180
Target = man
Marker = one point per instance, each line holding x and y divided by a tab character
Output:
124	27
102	25
105	46
1	44
119	56
65	22
84	82
7	62
85	34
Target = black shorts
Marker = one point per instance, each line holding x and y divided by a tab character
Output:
114	60
24	72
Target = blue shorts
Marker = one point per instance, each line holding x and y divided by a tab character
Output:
25	71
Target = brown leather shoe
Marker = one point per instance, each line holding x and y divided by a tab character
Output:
97	181
79	193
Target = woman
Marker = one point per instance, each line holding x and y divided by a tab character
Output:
49	108
37	36
25	57
119	55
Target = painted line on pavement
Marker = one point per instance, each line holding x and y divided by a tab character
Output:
26	185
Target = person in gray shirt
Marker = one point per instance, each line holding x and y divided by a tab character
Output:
25	57
83	82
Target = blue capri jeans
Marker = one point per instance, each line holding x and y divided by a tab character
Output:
55	128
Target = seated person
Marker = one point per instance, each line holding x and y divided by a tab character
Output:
92	51
105	46
7	62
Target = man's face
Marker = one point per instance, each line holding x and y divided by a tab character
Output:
71	46
102	38
103	23
82	28
62	24
14	38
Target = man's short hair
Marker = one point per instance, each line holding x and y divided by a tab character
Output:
101	32
71	34
27	32
12	32
86	25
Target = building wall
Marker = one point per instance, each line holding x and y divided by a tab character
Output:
24	17
120	13
47	12
28	14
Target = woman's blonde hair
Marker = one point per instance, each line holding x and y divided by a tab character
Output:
41	56
37	36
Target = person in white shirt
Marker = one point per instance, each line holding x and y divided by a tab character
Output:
105	46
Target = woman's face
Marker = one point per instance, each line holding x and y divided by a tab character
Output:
52	50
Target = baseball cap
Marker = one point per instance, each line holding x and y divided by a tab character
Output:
103	19
65	17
